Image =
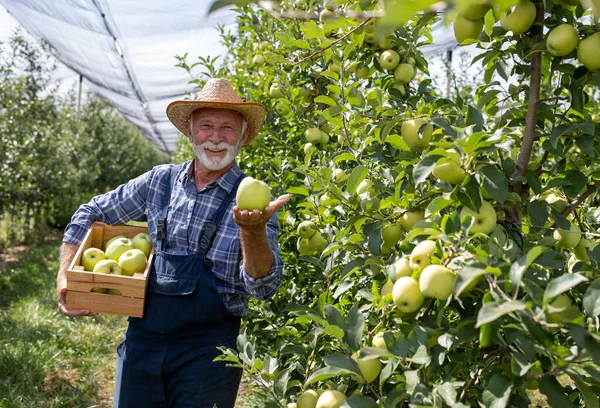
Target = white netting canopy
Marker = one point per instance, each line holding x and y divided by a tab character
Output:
125	49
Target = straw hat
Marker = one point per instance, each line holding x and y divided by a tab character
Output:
218	93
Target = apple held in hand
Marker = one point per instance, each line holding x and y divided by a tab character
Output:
253	194
331	399
91	257
484	220
520	19
117	247
143	242
437	282
465	29
568	239
562	40
407	295
417	133
132	261
588	52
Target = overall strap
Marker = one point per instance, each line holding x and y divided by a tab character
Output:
208	232
161	224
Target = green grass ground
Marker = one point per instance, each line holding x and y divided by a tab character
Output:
49	360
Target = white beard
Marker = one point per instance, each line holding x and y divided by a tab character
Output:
216	163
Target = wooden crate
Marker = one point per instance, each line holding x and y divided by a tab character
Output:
80	282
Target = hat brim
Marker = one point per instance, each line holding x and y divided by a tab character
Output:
179	113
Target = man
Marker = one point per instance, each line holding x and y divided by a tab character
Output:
209	258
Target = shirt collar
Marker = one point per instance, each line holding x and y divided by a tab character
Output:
226	181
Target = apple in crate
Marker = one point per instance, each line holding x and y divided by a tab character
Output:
112	239
91	257
107	266
143	242
132	261
117	248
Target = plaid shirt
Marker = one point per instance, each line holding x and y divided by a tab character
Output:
187	216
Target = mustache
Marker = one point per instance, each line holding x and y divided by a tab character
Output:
216	146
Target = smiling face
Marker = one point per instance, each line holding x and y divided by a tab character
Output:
217	136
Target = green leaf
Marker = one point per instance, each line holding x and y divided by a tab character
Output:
474	117
494	183
359	173
326	100
518	268
422	170
557	132
312	30
591	299
497	392
466	277
534	181
298	190
340	361
353	328
333	316
590	397
589	342
562	284
326	373
447	392
396	397
555	392
492	311
344	157
436	205
539	211
219	4
359	401
281	382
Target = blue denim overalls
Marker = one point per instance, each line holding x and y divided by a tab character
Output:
167	357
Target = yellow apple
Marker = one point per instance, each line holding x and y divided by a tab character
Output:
308	399
143	242
449	171
520	18
556	202
379	342
108	266
91	257
339	175
307	229
568	239
253	194
364	186
407	295
114	292
401	268
331	399
369	368
562	40
437	282
465	29
113	239
309	147
117	247
132	261
404	73
258	60
588	52
417	133
419	257
410	218
484	221
391	234
389	59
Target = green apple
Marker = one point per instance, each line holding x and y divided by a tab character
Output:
404	73
113	239
331	399
132	261
370	38
91	257
264	45
407	295
253	194
568	239
465	29
307	229
386	42
391	234
449	171
561	310
362	72
308	147
411	61
313	135
378	341
117	247
330	4
484	220
275	90
582	247
519	18
410	218
389	59
437	282
369	368
143	242
562	40
114	292
476	10
237	64
588	52
108	266
402	268
417	133
343	140
303	246
419	257
324	138
99	290
400	87
364	186
317	242
308	399
556	202
282	108
338	175
258	60
325	15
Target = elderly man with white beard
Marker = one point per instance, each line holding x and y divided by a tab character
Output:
210	257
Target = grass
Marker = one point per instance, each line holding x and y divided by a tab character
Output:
49	360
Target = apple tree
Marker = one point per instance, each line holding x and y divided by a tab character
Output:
440	251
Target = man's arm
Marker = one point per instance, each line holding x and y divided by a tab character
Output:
67	253
256	252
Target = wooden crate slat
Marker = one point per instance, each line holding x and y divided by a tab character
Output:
104	303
